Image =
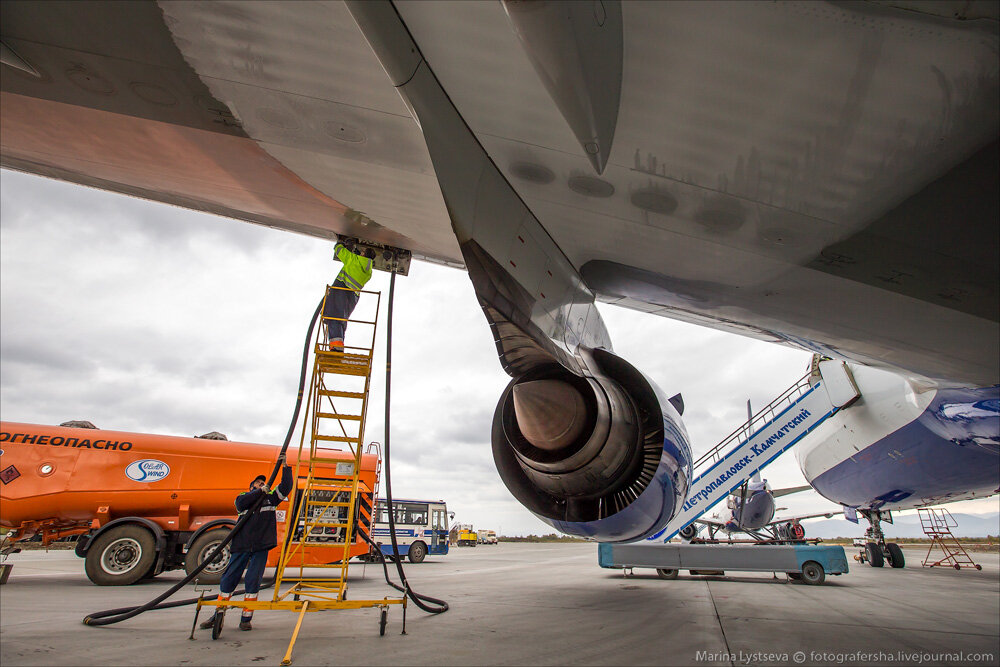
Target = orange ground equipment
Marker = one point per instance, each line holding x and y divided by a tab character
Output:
144	504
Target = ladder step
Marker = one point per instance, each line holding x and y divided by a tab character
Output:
344	486
345	369
324	524
327	566
363	352
326	459
333	438
335	415
341	394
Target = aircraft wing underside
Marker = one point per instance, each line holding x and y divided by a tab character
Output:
823	175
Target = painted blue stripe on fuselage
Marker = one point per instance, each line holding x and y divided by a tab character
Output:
946	452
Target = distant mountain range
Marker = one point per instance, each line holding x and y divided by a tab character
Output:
969	525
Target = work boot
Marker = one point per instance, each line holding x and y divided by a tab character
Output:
207	625
245	624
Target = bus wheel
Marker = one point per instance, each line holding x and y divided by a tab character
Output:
417	552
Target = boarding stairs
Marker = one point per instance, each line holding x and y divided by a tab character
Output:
937	524
827	388
329	510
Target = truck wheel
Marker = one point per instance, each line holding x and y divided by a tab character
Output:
895	555
874	555
202	549
121	556
417	552
667	573
813	573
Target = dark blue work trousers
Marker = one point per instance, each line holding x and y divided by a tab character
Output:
339	303
251	561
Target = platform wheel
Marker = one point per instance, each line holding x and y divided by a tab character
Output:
667	573
383	619
813	573
220	617
957	566
874	555
978	566
896	558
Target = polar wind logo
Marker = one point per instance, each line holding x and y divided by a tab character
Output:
147	470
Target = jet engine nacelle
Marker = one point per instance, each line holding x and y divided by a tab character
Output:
605	457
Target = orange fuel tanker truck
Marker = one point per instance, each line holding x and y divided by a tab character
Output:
143	504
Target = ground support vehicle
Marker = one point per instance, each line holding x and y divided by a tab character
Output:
421	529
144	504
467	538
808	563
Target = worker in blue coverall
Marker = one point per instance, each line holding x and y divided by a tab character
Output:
250	546
351	280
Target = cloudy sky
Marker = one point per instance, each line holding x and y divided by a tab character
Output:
143	317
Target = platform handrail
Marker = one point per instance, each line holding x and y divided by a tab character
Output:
756	422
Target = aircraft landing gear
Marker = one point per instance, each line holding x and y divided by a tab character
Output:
875	550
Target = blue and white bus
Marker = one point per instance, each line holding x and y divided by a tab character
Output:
421	528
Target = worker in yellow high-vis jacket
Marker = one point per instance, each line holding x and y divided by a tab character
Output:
352	278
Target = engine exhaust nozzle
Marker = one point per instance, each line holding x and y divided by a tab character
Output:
551	414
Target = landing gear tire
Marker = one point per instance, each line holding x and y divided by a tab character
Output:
874	555
896	558
202	549
122	556
417	552
382	620
219	619
813	573
667	573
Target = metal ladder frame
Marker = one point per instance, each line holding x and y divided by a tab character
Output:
937	523
311	594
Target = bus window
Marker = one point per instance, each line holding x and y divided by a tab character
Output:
416	514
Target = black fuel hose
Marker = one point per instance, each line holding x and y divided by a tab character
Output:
409	591
110	616
405	588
